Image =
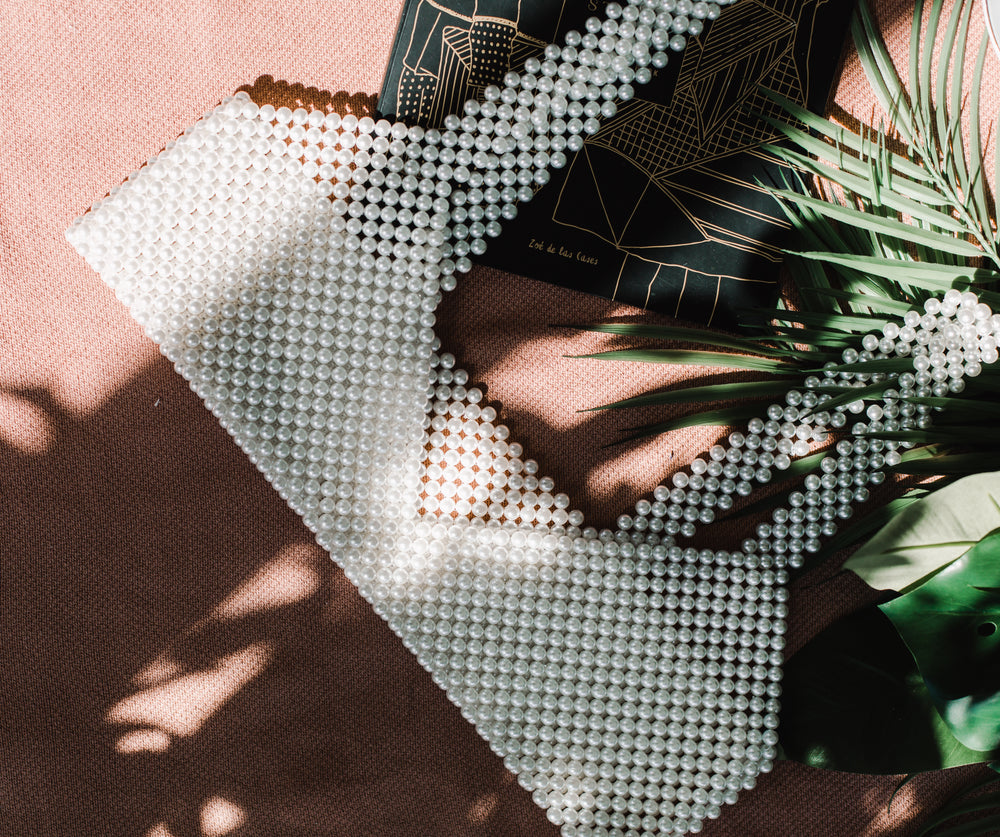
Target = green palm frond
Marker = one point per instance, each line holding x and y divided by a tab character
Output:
737	391
896	213
884	217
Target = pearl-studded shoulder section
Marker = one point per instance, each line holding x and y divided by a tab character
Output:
289	263
630	684
288	266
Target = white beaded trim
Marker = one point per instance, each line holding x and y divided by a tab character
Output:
289	264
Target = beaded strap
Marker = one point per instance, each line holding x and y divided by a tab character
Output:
289	264
951	341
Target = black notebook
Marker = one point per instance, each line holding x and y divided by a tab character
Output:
666	207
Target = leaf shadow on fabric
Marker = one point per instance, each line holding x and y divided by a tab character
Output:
182	659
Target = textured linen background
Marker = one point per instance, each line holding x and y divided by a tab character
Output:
178	657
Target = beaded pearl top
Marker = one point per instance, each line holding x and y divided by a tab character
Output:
289	264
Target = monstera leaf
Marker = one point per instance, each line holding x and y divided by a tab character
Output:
853	699
914	683
929	534
950	625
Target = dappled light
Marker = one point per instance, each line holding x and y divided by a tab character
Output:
220	817
292	576
182	705
162	669
25	425
143	741
480	811
904	799
180	659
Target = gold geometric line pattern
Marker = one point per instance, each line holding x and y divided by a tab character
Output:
614	294
636	209
715	303
475	50
722	177
748	280
663	141
717	76
450	12
722	203
652	281
680	296
420	58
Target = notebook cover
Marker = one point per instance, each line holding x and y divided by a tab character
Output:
666	207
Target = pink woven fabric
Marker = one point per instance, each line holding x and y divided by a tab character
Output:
178	657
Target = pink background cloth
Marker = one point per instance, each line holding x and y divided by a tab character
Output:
178	657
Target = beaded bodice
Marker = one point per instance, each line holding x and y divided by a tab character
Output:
290	263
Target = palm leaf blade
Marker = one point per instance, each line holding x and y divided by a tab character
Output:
879	70
725	417
708	393
885	226
660	332
978	184
694	358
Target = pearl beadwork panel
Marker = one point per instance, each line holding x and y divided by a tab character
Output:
630	684
289	264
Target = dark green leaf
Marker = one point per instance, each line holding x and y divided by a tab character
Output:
848	395
931	436
958	464
887	364
977	407
846	322
951	625
814	338
725	417
852	699
675	333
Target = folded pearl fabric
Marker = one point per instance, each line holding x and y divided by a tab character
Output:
616	673
289	264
